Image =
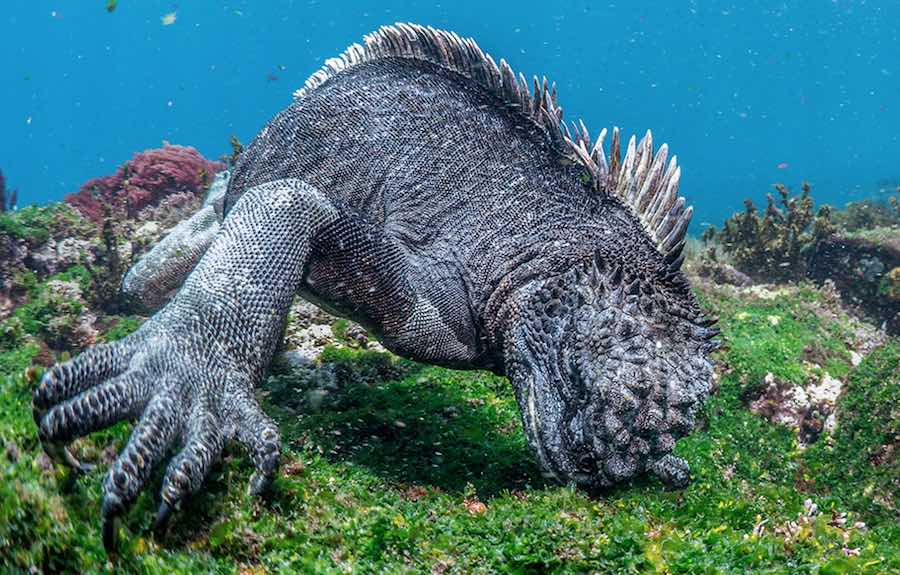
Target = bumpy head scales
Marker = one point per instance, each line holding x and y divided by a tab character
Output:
609	368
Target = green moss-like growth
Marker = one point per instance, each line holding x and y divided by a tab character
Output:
861	465
783	331
401	467
35	225
339	329
49	314
122	327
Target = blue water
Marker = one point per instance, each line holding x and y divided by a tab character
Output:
746	93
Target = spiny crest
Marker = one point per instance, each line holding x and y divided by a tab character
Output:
636	296
641	180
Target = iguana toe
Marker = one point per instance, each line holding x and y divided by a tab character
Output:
259	434
65	380
73	399
673	471
189	468
151	438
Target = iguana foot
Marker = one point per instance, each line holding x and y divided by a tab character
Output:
180	398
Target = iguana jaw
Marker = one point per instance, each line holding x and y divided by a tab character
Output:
540	377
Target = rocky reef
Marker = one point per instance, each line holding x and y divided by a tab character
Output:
102	228
857	248
394	466
174	173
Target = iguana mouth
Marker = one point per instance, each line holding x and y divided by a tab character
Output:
555	409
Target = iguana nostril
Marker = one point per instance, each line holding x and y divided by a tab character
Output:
120	478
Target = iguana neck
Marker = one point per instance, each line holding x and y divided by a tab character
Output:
610	230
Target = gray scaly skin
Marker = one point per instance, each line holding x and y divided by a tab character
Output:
422	190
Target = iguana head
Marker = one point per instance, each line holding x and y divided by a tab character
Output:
609	365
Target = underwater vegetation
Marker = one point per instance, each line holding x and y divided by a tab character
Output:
145	180
795	458
856	247
775	244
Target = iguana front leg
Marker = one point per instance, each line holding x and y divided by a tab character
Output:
189	371
415	306
154	279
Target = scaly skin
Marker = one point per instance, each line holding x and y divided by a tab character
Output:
153	280
447	213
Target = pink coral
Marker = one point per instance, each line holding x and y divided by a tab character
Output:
145	180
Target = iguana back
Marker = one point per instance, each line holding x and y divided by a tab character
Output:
421	133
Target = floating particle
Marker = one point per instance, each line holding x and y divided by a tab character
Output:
782	166
168	19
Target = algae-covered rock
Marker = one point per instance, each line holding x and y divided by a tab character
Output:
862	268
856	248
861	462
890	285
392	466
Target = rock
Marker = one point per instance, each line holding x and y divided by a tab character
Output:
73	326
12	452
12	260
147	232
298	358
55	257
723	273
171	210
861	268
309	331
808	410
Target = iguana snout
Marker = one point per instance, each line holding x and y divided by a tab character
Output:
609	367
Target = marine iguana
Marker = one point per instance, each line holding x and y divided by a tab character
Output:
421	189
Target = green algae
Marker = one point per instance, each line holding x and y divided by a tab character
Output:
403	467
37	224
860	464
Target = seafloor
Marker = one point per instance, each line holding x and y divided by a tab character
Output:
392	466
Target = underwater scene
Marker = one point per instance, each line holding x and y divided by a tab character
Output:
395	287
